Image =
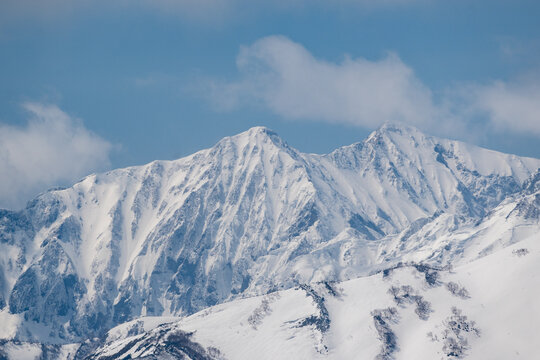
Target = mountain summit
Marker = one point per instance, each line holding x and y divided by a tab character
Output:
245	217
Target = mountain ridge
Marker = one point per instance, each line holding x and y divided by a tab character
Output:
247	216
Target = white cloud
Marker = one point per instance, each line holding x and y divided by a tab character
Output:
51	149
284	77
511	107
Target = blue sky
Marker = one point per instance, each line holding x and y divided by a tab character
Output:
92	85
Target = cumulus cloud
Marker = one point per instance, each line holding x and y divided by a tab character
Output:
286	78
283	76
511	107
51	149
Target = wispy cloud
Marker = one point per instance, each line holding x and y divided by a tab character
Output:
513	48
513	106
51	149
287	79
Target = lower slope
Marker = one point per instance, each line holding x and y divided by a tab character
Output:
484	309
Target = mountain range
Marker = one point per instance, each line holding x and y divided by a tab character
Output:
195	257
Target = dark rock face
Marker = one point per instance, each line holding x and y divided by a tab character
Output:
165	342
48	290
24	295
366	227
322	320
383	319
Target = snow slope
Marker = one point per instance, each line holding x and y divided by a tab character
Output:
249	216
486	309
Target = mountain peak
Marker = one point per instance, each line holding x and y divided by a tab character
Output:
397	128
258	135
396	133
263	130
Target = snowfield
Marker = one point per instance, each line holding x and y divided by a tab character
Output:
486	309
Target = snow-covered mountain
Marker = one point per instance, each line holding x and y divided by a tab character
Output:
249	216
486	309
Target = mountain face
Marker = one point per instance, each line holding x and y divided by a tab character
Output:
485	309
249	216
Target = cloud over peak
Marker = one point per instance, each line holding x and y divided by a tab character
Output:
510	106
287	79
51	149
283	76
